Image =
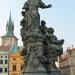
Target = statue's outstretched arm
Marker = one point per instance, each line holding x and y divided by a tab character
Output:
42	5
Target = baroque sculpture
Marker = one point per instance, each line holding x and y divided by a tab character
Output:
41	46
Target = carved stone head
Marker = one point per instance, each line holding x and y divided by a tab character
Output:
50	30
43	23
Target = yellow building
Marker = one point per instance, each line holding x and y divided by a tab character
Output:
15	63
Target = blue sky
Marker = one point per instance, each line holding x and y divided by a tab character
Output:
61	17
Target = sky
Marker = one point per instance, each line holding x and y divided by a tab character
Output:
61	17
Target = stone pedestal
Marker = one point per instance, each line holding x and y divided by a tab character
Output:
37	73
53	72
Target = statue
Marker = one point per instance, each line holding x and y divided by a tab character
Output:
41	46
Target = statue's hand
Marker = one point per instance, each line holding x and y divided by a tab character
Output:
49	6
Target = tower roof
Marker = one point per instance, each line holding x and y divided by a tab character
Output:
9	28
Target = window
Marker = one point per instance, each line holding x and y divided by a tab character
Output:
1	70
1	61
1	56
21	67
5	56
14	67
14	59
6	61
5	70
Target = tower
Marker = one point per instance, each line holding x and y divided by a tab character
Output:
10	27
9	38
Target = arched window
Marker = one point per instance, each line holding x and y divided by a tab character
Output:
1	61
6	61
1	56
1	70
14	67
5	70
14	59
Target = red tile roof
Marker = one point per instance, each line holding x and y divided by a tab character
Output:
4	48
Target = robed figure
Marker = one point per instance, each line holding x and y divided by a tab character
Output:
32	16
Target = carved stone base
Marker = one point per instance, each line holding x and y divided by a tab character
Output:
42	71
38	73
55	71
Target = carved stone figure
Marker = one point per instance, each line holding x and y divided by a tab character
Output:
43	28
54	46
41	46
33	14
27	17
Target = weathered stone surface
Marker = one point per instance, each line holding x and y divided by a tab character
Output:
41	46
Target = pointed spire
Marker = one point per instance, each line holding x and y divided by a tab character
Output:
10	19
7	26
10	27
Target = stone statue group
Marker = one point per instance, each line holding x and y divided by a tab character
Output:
41	46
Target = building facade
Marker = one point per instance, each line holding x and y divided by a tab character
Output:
10	60
15	63
67	62
4	62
